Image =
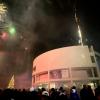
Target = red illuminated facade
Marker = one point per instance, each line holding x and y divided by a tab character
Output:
67	66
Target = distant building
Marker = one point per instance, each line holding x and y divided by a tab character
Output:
67	66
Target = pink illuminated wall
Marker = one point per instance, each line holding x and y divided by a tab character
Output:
74	56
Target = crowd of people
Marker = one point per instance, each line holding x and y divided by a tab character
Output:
86	93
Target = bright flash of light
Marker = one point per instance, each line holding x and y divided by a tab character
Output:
79	31
11	82
3	8
4	36
12	30
80	35
79	41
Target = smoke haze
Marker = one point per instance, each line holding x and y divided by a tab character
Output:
41	25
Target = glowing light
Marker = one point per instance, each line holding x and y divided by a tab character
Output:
4	36
26	48
12	30
11	83
31	89
92	85
79	41
79	31
80	36
52	85
3	8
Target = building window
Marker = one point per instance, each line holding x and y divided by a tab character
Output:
59	74
42	77
95	72
89	73
92	59
82	73
65	73
79	73
55	74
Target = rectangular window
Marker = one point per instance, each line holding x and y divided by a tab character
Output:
92	59
95	72
55	74
89	73
79	73
82	73
65	73
43	77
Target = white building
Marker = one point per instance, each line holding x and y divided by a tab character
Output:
67	66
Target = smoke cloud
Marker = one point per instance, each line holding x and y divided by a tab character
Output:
41	25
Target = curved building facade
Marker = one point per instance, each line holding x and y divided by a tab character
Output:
67	66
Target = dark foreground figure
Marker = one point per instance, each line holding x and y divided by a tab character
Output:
86	93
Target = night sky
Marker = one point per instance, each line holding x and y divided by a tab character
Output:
44	25
54	23
90	22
